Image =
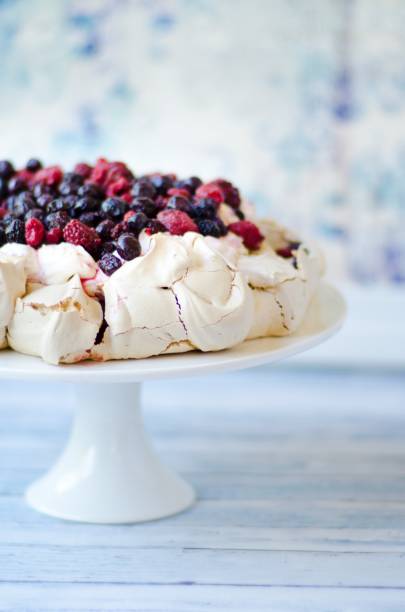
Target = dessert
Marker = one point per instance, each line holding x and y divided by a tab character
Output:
99	264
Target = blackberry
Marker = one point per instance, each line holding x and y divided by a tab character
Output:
204	209
144	205
57	219
211	227
6	169
109	263
90	218
137	222
113	208
33	165
143	189
15	231
128	246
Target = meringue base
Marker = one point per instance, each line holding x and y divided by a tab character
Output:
108	473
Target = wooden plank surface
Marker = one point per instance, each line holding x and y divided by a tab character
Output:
301	483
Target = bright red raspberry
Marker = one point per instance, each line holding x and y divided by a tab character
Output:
54	236
210	190
99	173
126	197
177	222
34	232
249	232
26	176
49	176
83	169
77	233
184	193
3	211
119	187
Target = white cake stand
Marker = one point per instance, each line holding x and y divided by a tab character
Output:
108	472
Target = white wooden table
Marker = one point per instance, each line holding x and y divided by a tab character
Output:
301	479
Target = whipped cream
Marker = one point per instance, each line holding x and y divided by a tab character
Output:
12	286
179	296
57	322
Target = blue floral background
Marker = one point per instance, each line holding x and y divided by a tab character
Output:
301	103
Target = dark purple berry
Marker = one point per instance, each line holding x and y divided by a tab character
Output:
84	205
154	226
109	263
107	247
15	231
34	213
118	229
33	165
44	200
204	209
57	219
22	204
16	185
180	203
143	189
105	228
90	218
191	184
239	214
128	247
6	169
3	238
92	190
144	205
42	189
57	204
161	183
113	208
137	222
211	227
3	187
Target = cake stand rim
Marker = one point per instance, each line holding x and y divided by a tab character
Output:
328	304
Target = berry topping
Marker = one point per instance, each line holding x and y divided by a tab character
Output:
119	187
136	222
54	236
105	228
113	208
204	209
154	226
177	202
230	193
33	165
128	246
3	238
34	213
34	232
16	185
161	183
6	169
287	251
210	190
91	190
177	222
57	219
144	205
83	169
211	227
143	189
49	176
77	233
109	263
191	184
15	231
249	232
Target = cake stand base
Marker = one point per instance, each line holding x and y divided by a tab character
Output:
108	472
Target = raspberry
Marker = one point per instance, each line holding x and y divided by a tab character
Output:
249	232
34	232
99	172
177	222
126	197
119	187
210	190
49	176
77	233
176	191
287	252
230	193
83	169
54	236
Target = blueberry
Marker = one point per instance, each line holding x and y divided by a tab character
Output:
191	184
143	189
84	205
113	208
137	222
57	204
211	227
107	247
105	228
90	218
44	200
128	247
3	238
6	169
161	183
33	165
57	219
204	209
154	226
91	190
22	204
180	203
16	185
34	213
15	231
145	205
109	263
42	189
3	187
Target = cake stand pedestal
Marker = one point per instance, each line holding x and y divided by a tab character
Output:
108	472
